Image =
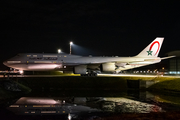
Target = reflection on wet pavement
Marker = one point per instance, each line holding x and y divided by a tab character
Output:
125	105
91	107
76	106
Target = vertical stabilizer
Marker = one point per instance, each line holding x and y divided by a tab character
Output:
152	50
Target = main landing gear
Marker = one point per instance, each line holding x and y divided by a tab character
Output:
90	74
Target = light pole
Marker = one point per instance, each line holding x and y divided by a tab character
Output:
71	43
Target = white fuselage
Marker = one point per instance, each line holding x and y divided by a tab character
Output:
62	61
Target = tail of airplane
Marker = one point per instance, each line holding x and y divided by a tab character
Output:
152	50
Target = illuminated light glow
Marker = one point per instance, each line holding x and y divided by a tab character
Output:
71	43
59	50
21	71
45	66
69	116
172	72
44	102
13	61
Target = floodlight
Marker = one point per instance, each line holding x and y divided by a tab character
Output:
59	50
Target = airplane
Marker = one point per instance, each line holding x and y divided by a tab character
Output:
86	66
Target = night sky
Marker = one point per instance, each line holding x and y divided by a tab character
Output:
97	27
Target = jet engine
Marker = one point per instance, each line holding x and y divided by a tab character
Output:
108	67
81	69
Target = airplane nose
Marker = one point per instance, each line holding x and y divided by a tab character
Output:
5	63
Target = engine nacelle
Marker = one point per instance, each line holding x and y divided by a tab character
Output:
81	69
108	67
121	64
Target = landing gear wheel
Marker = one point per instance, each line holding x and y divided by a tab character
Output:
83	74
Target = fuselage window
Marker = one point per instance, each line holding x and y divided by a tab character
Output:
65	56
28	55
34	55
42	61
13	61
49	55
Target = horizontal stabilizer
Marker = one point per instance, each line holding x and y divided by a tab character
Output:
167	57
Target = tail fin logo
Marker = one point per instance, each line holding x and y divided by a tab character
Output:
150	52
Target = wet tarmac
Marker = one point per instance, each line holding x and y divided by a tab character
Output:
85	107
56	100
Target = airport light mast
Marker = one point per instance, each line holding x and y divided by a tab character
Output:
59	50
71	43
